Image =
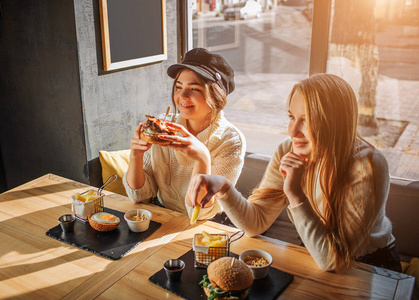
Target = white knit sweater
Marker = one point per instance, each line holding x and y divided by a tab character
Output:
168	172
257	216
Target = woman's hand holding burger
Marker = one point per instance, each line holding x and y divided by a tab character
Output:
135	173
138	146
155	131
187	144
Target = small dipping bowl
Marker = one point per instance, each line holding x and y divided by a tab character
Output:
258	272
67	222
138	226
174	268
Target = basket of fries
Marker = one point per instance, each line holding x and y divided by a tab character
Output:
90	201
86	203
209	247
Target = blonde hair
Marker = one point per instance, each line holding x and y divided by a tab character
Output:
214	95
332	118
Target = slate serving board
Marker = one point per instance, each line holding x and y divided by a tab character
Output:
111	244
269	287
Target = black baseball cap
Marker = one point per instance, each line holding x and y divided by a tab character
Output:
208	65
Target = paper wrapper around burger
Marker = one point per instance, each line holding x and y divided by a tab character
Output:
83	209
205	255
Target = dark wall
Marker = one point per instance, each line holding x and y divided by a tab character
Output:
58	107
41	116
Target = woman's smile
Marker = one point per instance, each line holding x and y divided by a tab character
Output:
186	105
298	144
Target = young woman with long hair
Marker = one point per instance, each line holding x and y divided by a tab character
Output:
333	183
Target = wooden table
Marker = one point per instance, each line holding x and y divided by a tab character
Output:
33	265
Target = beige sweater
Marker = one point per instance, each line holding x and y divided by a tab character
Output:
257	216
168	172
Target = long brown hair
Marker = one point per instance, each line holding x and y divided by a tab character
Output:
214	95
332	118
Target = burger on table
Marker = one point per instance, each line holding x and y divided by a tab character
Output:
227	278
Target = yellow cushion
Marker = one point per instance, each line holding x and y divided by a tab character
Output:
114	162
412	269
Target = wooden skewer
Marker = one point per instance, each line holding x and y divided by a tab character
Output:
167	112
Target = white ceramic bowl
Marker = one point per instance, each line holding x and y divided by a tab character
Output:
138	226
258	272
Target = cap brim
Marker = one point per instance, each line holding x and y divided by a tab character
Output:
173	70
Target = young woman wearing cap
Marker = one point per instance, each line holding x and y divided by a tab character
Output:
332	182
207	142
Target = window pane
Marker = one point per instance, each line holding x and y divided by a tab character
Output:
268	46
374	45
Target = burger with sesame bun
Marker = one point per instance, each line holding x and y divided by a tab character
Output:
227	278
153	127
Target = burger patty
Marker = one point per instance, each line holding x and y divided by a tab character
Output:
152	127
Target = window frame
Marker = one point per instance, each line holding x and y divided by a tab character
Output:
320	35
185	9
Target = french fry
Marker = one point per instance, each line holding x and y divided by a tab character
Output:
217	243
210	240
89	196
206	235
195	213
90	192
79	197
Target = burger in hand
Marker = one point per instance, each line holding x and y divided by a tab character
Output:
152	128
227	278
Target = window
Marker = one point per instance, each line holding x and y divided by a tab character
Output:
373	46
268	46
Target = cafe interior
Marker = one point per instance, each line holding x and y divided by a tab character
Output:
77	77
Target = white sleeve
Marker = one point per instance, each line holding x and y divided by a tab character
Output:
149	189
